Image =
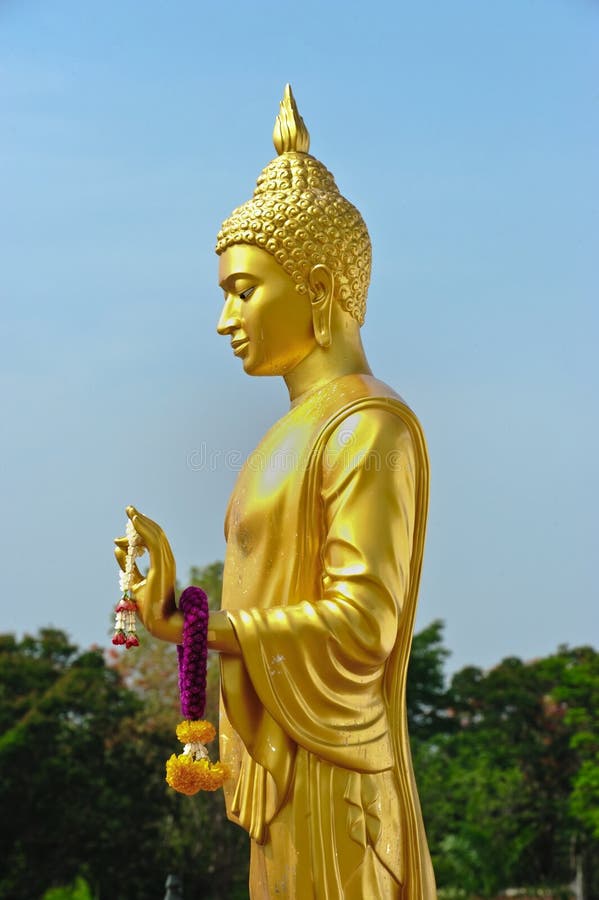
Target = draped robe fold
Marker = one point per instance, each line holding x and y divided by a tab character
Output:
325	532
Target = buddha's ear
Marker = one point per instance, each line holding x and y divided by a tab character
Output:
322	294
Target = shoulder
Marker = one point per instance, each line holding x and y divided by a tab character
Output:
371	439
370	426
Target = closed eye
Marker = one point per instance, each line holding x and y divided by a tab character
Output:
245	295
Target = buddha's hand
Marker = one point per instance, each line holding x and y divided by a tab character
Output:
154	594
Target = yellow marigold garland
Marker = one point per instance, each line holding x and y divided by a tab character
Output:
201	732
188	776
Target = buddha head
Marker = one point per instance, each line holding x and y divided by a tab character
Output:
302	239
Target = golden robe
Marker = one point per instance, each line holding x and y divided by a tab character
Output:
325	533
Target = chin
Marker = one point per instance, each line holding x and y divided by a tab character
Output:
271	367
253	368
263	371
262	367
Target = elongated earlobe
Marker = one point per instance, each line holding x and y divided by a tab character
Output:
322	292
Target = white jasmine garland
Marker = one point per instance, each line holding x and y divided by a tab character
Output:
135	548
124	624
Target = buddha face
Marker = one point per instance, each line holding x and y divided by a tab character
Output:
268	321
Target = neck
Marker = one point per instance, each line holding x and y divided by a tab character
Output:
345	356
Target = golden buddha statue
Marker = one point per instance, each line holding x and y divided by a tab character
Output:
325	532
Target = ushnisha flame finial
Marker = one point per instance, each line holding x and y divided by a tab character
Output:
290	133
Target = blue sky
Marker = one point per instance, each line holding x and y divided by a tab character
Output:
467	135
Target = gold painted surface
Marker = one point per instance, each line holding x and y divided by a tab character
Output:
325	534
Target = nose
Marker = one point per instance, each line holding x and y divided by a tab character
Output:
230	320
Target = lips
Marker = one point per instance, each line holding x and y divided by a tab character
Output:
240	345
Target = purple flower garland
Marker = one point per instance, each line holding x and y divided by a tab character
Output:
193	653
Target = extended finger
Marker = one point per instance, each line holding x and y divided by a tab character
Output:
148	530
121	558
121	548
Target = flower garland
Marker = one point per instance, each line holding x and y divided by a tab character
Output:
124	624
192	770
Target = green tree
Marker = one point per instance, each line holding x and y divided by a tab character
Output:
505	791
79	890
427	698
80	786
576	694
